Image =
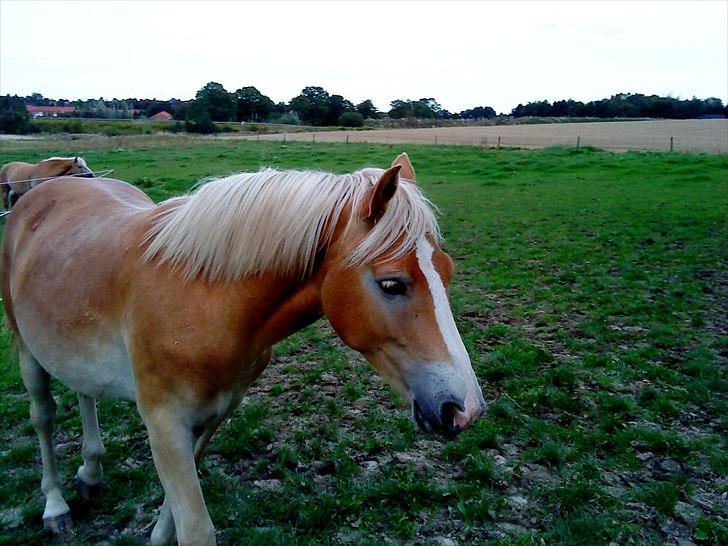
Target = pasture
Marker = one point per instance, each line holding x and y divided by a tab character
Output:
591	293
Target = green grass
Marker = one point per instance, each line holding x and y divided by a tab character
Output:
126	127
591	294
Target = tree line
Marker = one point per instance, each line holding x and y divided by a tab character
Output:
625	105
316	106
313	106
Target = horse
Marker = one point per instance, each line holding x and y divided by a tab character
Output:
176	307
17	178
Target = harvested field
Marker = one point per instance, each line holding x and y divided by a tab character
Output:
709	135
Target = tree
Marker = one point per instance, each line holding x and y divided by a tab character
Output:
312	105
421	109
351	119
14	118
426	108
479	112
252	105
36	99
367	109
215	101
401	109
626	105
337	106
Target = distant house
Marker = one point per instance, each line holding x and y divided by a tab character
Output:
49	111
161	116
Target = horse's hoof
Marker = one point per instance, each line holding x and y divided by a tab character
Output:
60	524
87	492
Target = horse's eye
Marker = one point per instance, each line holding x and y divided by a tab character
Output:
392	287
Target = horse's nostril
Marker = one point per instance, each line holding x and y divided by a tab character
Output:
448	410
419	418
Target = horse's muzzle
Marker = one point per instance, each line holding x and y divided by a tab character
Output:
440	418
444	401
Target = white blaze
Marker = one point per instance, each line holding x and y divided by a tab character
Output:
446	322
443	313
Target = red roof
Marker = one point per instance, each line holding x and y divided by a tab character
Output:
49	109
161	116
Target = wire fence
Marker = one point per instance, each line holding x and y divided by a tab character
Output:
692	136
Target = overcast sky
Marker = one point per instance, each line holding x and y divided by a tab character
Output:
464	54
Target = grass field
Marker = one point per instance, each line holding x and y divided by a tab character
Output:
118	127
591	293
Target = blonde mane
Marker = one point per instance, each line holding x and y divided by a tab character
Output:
277	221
81	161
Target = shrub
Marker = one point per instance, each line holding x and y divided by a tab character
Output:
73	126
200	122
290	118
351	119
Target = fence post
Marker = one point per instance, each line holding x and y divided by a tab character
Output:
347	138
671	144
435	140
257	137
499	142
578	141
313	137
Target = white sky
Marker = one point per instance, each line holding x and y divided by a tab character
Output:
464	54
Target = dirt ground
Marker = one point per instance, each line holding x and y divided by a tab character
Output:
710	135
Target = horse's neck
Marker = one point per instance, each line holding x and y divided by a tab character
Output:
53	168
296	311
301	304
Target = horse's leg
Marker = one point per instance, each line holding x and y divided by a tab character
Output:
163	531
90	473
171	440
56	515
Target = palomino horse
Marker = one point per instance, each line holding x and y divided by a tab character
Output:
176	307
17	178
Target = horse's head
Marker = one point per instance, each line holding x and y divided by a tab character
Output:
66	166
395	310
79	168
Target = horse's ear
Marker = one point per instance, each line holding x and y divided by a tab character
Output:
408	171
380	195
75	160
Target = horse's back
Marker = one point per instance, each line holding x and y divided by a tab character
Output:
69	249
10	171
68	206
16	175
